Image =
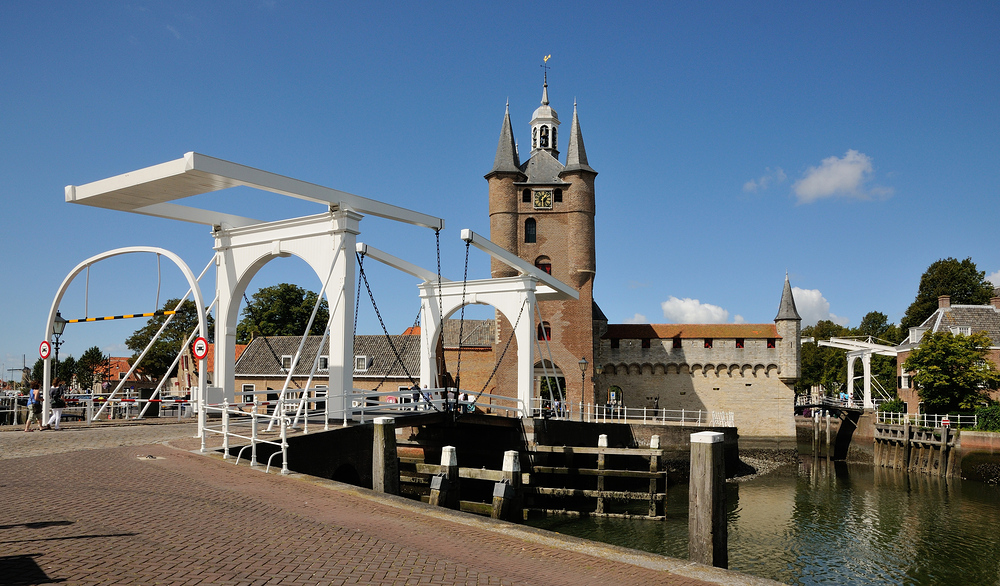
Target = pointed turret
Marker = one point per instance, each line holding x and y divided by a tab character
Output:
506	160
789	327
576	155
786	310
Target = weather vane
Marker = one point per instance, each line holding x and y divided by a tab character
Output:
544	65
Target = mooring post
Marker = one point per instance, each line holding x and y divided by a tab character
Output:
385	463
444	485
602	442
906	446
507	492
829	452
708	535
654	467
943	455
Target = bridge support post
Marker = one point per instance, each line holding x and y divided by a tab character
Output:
708	537
444	486
507	492
385	463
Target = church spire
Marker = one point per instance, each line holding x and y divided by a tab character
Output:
576	155
786	310
506	160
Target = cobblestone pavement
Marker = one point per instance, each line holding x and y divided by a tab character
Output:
115	505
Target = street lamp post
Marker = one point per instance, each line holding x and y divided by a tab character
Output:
583	375
598	369
58	327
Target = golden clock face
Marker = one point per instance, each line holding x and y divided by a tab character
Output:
543	199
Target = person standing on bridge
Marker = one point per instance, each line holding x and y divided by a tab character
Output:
58	404
34	408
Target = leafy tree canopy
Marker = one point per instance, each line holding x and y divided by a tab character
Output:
168	345
90	367
281	310
952	373
822	365
965	283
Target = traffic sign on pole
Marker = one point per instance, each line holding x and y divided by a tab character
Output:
200	348
45	349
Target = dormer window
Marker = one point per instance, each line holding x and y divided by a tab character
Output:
361	363
961	330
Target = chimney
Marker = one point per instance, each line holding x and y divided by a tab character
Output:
944	301
995	302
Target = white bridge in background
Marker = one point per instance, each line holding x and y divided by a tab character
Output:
327	242
863	349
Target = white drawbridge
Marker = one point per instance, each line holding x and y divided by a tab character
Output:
326	242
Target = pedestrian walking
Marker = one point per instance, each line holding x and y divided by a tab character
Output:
34	408
58	404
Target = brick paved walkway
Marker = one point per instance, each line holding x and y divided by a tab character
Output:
89	506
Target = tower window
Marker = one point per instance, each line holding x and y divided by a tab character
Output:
534	138
526	196
708	342
543	137
530	235
544	263
770	342
544	331
739	343
615	343
677	342
645	342
557	195
555	144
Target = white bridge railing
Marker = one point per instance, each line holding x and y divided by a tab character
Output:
926	419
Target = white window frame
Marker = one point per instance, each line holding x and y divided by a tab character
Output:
286	362
324	362
249	392
361	363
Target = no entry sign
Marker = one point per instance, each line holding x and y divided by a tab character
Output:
200	348
45	349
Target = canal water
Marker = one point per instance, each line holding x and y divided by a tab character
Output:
834	523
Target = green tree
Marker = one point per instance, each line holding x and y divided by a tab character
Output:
90	367
952	373
281	310
168	345
66	370
38	371
965	283
822	365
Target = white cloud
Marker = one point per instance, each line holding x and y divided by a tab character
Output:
844	176
692	311
766	180
994	278
813	307
637	319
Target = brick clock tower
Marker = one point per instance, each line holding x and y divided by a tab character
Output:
543	211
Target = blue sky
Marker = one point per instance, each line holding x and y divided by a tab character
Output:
849	144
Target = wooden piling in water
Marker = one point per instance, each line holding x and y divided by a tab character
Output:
385	463
602	442
707	532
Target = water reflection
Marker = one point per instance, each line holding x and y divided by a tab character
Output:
836	523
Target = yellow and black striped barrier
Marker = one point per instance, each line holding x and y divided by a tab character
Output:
126	316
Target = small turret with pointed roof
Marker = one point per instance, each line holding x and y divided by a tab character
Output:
789	326
786	310
576	155
506	160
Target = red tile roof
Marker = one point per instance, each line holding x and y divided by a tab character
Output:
667	331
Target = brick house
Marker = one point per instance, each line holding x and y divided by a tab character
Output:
958	319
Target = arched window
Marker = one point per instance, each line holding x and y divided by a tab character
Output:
530	235
526	196
555	144
544	263
544	331
543	139
534	138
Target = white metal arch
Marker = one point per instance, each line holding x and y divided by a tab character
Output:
325	242
192	282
